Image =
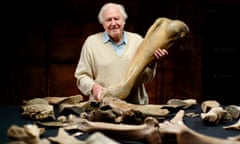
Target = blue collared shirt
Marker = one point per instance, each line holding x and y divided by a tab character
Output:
118	48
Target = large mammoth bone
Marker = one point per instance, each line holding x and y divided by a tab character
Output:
163	34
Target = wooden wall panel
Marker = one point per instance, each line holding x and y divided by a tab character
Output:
64	49
8	80
61	81
30	81
31	43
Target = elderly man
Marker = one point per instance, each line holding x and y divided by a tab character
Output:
105	57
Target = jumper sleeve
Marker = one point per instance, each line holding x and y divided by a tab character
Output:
83	73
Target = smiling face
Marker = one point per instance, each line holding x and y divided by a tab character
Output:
113	23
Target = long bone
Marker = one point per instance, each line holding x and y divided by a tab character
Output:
163	34
148	132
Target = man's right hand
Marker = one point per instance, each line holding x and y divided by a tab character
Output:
97	91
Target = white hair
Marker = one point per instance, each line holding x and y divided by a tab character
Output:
107	5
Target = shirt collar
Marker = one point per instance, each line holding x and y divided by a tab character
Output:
106	38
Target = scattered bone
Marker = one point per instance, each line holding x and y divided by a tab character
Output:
61	121
185	135
35	101
78	108
214	116
67	100
148	110
237	138
116	110
64	138
125	110
163	34
182	103
100	138
28	134
41	141
192	114
234	110
209	104
149	131
38	111
96	138
235	126
62	118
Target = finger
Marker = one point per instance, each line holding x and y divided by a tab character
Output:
164	51
158	54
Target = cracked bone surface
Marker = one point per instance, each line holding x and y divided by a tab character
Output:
163	34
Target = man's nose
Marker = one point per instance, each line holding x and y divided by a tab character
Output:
113	22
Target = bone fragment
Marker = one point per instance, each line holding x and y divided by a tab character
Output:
214	116
117	108
100	138
35	101
186	103
84	106
149	109
96	138
235	126
185	135
163	34
148	132
38	111
73	99
61	121
234	110
237	138
209	104
64	138
28	134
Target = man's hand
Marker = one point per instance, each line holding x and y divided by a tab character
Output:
160	54
96	91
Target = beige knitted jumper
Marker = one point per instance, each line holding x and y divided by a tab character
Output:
99	63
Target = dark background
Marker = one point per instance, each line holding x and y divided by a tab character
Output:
42	41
